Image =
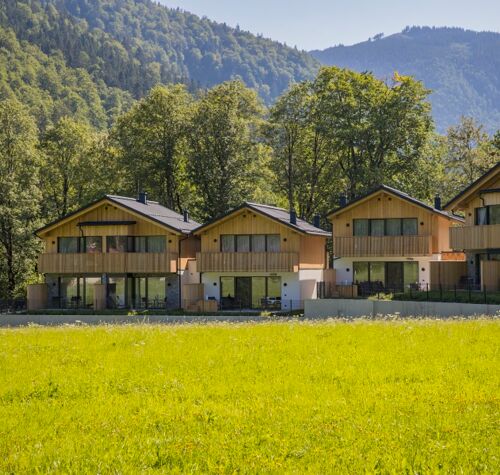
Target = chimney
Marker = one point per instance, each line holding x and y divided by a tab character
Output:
437	202
186	216
143	198
293	216
343	201
316	220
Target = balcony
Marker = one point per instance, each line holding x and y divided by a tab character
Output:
247	261
112	263
475	237
382	246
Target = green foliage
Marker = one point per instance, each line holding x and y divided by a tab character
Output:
379	397
461	67
19	197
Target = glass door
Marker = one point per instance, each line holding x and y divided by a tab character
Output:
394	276
244	291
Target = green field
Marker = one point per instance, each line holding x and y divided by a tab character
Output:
330	397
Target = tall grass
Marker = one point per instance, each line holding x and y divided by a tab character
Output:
379	397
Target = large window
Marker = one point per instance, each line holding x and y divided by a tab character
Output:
74	245
392	275
385	227
488	215
77	291
250	243
136	244
256	292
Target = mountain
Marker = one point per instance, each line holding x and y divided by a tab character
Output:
134	44
461	67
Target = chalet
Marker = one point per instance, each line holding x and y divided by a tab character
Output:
479	236
260	256
386	239
116	252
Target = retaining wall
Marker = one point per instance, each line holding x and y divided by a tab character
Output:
371	308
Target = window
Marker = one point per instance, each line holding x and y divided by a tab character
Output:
227	287
361	227
273	243
361	272
393	227
68	245
242	243
93	244
155	244
140	244
227	243
118	244
410	273
488	215
377	227
410	227
481	216
377	272
250	243
494	214
385	227
259	243
157	292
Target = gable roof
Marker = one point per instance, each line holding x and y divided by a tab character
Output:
398	194
152	210
491	173
280	215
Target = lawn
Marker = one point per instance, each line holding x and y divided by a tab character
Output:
331	397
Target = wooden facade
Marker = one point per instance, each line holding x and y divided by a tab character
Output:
475	237
432	228
297	250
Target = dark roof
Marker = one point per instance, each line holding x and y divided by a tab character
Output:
472	185
152	210
401	195
280	215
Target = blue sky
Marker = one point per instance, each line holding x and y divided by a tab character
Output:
311	24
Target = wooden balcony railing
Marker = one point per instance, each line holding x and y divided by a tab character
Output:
475	237
109	263
247	261
382	246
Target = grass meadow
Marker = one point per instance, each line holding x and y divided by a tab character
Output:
330	397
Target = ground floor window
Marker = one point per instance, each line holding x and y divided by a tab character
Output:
378	276
250	292
77	292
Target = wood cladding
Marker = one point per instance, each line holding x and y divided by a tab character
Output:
109	263
475	237
490	275
382	246
247	261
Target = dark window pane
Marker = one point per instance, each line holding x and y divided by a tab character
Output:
393	227
410	273
481	216
494	214
140	244
227	243
242	243
227	287
117	243
68	245
259	243
377	227
93	244
156	243
360	272
360	227
410	226
273	243
377	272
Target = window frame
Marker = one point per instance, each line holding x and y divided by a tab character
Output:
250	236
370	220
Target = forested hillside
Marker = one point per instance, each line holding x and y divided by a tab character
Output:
135	44
461	67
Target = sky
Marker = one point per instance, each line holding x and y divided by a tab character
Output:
318	24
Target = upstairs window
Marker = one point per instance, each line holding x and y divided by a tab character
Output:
75	245
488	215
145	244
116	244
250	243
385	227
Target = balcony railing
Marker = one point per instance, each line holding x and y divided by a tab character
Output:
475	237
247	261
382	246
108	263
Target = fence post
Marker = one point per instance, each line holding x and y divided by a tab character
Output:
440	292
484	292
427	287
455	288
468	286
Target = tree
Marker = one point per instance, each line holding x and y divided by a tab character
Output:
152	143
71	168
19	197
376	130
224	153
470	153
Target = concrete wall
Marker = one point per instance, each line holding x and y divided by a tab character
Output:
369	308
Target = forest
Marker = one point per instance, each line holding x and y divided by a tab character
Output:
90	105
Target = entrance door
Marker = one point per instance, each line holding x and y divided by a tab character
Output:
244	291
394	276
